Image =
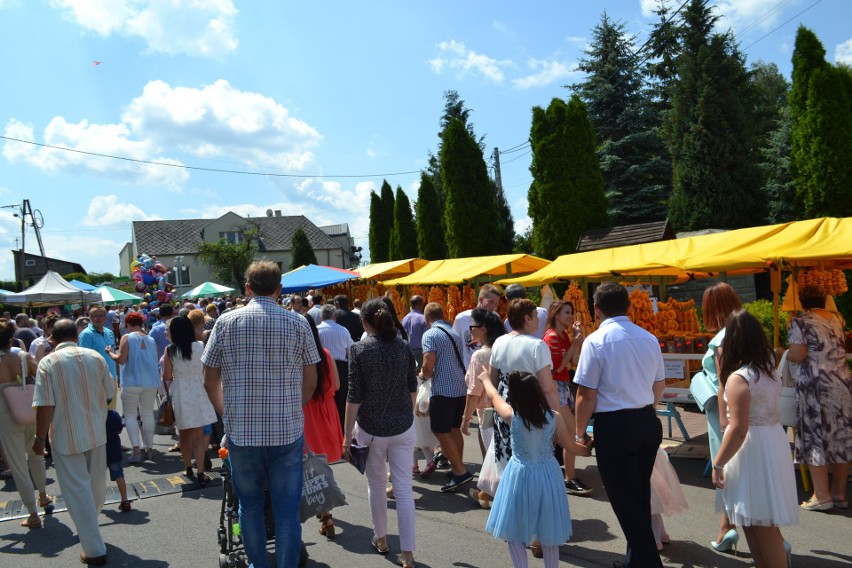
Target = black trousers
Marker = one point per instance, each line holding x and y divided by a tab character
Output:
340	395
626	444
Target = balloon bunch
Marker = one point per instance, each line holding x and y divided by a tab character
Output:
150	276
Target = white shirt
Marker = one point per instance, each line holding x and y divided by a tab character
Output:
335	338
518	352
461	325
621	361
314	312
542	323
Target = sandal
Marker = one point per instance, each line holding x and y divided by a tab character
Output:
189	473
326	525
46	504
31	523
124	507
203	479
381	548
406	562
813	504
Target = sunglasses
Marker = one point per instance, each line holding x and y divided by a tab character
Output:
472	326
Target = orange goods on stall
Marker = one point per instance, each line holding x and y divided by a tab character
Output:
641	311
581	308
833	282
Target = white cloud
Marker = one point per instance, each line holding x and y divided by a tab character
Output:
742	14
504	29
201	28
545	72
96	254
112	139
221	121
106	211
577	39
843	52
454	55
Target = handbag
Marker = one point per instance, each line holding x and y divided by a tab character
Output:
165	414
20	399
358	455
703	390
424	395
787	402
320	492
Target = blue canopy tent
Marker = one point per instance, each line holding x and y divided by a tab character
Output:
85	287
313	276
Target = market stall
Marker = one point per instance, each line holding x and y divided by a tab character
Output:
392	269
51	290
314	276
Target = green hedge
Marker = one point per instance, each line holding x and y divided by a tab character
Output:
762	310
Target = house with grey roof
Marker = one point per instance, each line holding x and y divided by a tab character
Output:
175	243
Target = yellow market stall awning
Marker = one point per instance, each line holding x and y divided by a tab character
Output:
392	269
632	261
458	270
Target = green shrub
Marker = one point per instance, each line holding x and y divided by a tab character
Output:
762	310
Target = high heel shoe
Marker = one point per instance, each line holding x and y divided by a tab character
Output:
728	541
788	548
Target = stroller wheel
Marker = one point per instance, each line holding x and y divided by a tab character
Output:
223	561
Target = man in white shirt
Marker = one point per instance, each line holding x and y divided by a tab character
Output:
489	299
337	340
314	312
622	377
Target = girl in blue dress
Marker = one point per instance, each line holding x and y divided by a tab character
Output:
531	503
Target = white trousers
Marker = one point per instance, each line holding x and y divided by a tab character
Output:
396	452
82	479
138	400
17	444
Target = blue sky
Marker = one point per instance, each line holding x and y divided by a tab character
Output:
339	93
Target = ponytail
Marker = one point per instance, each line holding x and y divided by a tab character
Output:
379	317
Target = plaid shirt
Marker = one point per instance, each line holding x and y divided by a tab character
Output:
448	375
262	350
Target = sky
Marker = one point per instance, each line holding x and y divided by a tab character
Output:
317	102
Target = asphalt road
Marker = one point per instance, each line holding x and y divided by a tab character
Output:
180	529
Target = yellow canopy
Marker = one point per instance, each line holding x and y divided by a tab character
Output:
629	261
392	269
458	270
826	241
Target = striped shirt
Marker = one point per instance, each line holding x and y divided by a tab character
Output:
448	375
335	338
77	383
262	351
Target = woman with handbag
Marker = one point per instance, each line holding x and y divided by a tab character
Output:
823	400
140	379
16	438
322	422
719	301
382	389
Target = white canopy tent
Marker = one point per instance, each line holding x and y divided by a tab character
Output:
51	290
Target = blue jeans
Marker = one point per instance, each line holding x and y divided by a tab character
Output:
280	469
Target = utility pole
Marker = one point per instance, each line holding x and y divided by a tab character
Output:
37	221
498	179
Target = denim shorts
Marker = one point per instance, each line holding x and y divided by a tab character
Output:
115	471
207	430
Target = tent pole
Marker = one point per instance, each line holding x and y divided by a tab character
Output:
775	286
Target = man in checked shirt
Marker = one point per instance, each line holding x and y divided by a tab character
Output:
259	372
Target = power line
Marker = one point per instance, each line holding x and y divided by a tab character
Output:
523	146
775	29
203	169
528	152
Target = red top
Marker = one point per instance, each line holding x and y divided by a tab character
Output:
559	346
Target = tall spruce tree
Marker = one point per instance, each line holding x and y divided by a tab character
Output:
634	162
301	250
403	240
379	245
775	166
430	221
566	196
821	131
470	215
715	178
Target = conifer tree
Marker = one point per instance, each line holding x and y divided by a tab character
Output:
301	250
506	227
403	241
378	244
566	196
430	224
470	215
821	131
634	162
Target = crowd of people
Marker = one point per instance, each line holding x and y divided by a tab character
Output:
281	374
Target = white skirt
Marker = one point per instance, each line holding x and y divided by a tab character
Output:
760	482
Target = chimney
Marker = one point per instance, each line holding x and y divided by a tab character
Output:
277	212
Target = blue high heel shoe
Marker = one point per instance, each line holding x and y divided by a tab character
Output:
728	542
788	548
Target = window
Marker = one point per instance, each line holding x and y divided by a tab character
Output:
183	279
30	263
232	237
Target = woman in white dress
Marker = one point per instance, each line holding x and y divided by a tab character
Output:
753	468
182	366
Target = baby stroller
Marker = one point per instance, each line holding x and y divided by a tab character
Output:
231	551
